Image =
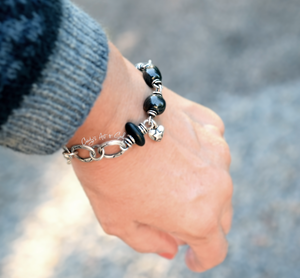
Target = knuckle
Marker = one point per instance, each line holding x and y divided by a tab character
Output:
220	124
142	249
221	256
227	155
196	226
205	115
202	229
211	226
224	150
217	121
139	244
218	258
109	229
227	186
227	225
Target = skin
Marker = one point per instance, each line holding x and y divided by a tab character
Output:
164	194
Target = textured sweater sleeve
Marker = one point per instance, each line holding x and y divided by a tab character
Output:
53	61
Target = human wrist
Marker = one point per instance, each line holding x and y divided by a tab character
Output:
121	100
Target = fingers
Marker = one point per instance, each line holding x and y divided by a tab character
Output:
205	253
214	147
214	130
205	116
145	239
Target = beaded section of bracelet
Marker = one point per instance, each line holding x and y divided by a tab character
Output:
154	105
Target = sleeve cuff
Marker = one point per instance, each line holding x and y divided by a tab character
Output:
64	95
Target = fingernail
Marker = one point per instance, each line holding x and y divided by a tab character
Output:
167	256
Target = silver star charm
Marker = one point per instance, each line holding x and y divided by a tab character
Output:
156	134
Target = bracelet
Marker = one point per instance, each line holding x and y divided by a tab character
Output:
154	105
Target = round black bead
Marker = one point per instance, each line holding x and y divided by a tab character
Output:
150	74
155	103
136	133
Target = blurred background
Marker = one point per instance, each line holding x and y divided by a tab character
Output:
240	58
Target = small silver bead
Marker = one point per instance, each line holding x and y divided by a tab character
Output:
143	128
129	141
156	134
152	113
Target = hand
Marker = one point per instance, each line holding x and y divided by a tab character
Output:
164	194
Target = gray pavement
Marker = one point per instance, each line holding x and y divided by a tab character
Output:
240	58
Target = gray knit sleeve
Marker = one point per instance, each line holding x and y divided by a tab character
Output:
59	99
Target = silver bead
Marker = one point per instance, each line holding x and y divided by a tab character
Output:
139	66
156	134
143	66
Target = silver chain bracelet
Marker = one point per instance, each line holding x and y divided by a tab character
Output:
154	105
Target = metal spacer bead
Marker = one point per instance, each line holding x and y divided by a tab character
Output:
129	141
156	83
143	66
149	63
139	66
158	88
143	128
152	113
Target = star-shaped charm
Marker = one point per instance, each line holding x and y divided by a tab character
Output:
157	134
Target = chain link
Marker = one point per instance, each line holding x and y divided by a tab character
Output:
99	151
123	144
69	154
119	143
84	147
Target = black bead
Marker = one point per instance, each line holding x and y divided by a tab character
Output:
136	133
150	74
155	103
